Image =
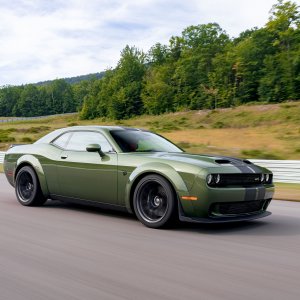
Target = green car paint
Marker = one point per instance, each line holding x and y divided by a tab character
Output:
111	178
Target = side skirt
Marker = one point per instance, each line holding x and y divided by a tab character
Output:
89	203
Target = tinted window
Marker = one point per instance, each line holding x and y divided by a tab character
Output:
80	140
142	141
62	140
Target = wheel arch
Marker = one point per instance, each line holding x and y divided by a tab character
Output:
33	162
167	172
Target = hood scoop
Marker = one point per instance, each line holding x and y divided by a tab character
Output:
233	162
246	161
223	161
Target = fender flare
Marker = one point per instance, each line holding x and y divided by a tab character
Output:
36	165
162	169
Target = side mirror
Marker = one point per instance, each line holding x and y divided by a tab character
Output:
94	148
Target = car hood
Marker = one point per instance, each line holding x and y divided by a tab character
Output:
208	161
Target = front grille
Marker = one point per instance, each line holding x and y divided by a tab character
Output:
240	179
236	208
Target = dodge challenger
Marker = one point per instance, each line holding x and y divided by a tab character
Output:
140	172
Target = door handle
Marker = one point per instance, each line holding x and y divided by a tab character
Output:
64	156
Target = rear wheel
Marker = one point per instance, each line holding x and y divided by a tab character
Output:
154	202
28	189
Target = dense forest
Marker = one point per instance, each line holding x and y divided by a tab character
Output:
201	68
32	100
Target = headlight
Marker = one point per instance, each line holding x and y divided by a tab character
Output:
266	178
213	179
209	179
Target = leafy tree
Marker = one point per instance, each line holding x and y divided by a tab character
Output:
158	91
158	54
80	90
28	103
9	96
250	54
60	97
200	44
126	84
282	69
118	94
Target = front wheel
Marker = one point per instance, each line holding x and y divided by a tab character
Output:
28	189
154	202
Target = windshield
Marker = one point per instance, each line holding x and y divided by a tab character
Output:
142	141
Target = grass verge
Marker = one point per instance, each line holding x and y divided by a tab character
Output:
260	131
287	191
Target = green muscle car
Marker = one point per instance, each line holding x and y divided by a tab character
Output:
140	172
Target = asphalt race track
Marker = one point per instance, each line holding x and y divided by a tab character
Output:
64	251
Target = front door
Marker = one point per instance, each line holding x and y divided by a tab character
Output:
86	175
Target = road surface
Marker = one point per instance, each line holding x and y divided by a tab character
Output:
63	251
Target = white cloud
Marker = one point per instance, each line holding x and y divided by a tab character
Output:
42	40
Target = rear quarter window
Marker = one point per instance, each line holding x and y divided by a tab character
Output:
62	140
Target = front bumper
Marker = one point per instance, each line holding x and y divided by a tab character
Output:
215	220
207	199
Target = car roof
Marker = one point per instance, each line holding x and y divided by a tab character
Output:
52	135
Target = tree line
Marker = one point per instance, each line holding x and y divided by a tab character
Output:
75	79
201	68
31	100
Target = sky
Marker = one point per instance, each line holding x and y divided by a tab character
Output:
48	39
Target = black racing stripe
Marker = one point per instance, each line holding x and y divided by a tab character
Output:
244	169
255	193
250	194
255	168
240	164
261	193
237	163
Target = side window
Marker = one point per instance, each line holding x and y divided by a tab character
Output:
80	139
62	140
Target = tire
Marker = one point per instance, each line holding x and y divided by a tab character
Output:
28	190
154	202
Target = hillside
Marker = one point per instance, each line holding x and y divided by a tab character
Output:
258	131
74	79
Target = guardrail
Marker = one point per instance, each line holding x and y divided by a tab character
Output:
1	157
15	119
283	170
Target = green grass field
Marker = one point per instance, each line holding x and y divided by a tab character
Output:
287	191
258	131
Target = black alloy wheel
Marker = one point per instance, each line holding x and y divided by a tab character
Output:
28	189
154	201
